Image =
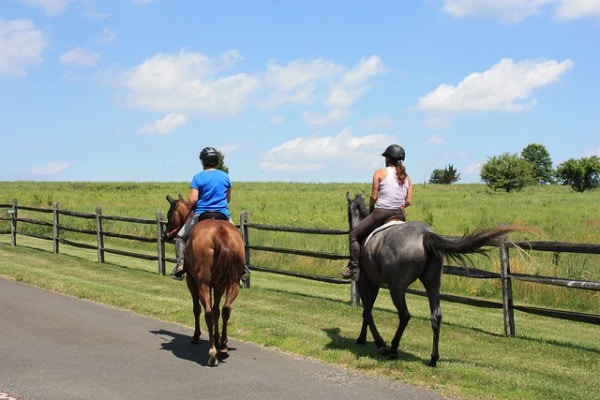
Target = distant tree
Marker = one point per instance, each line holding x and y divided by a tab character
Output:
445	176
539	158
221	164
581	175
507	171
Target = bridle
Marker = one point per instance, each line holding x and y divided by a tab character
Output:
174	231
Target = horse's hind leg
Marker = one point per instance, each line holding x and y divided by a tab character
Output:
232	293
432	282
205	298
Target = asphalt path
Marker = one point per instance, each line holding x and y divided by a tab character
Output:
57	347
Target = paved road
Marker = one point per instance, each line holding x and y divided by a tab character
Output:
56	347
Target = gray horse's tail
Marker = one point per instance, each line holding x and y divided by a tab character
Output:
472	243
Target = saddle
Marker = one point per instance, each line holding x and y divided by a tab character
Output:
388	224
213	215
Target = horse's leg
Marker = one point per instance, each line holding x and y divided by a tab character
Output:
399	298
431	280
232	293
216	309
368	293
205	299
197	309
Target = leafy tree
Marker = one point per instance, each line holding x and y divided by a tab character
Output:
539	158
507	171
445	176
221	163
580	174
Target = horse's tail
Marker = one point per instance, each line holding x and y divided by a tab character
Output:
472	243
228	258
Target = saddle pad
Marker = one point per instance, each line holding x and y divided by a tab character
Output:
382	228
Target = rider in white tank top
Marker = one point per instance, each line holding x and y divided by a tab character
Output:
392	195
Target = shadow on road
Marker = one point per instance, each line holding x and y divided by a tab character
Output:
182	347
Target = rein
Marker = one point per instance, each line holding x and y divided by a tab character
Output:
174	231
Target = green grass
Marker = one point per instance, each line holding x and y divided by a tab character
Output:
558	213
548	358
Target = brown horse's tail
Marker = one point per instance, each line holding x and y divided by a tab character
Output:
228	259
473	243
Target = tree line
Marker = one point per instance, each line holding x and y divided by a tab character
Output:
532	167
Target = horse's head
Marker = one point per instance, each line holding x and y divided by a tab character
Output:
179	211
357	209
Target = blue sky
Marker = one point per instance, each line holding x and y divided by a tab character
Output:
292	91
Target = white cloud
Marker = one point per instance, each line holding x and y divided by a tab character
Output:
572	9
166	125
51	7
194	82
436	140
21	46
320	82
505	86
514	11
189	81
79	57
310	154
474	169
107	36
51	169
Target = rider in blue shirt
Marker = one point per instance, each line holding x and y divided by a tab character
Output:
210	192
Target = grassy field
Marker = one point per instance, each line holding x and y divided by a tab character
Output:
556	212
548	358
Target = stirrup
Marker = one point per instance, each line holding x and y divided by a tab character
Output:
177	273
350	273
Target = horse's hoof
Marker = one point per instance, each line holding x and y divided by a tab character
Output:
384	351
195	340
361	341
392	356
213	362
433	363
223	355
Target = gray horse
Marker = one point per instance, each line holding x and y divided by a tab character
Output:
401	254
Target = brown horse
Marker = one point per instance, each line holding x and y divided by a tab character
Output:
214	262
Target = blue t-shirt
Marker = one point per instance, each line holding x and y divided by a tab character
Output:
212	186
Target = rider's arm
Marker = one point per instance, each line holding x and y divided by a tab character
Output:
409	194
193	196
375	188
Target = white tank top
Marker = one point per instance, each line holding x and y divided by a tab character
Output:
392	195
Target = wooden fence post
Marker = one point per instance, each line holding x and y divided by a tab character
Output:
244	216
160	243
354	297
13	223
55	229
507	295
99	235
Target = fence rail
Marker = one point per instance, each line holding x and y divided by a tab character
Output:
100	233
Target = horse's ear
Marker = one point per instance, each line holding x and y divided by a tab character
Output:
170	199
180	196
362	195
348	198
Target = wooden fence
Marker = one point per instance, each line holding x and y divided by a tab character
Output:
505	275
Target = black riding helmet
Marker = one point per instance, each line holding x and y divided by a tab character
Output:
395	152
209	156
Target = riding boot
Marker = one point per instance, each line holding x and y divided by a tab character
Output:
178	271
352	271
